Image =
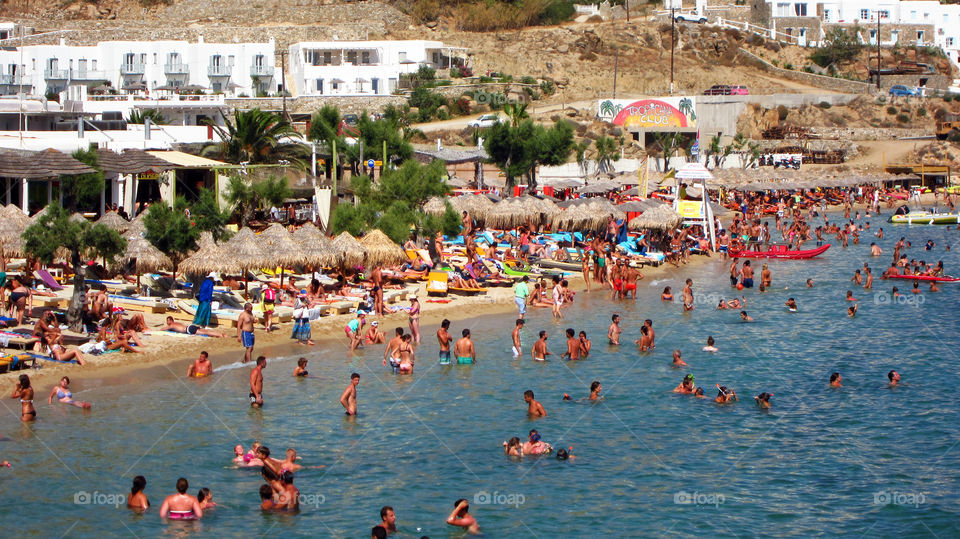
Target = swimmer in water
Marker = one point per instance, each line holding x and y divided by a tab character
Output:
688	295
181	506
667	295
595	389
850	295
23	391
894	378
613	332
534	445
63	394
809	283
725	395
256	383
686	386
540	351
934	287
791	305
573	346
461	517
677	362
534	408
138	499
895	292
585	344
301	370
763	400
836	380
205	498
200	367
916	287
643	343
745	317
710	345
444	338
852	311
513	447
266	499
698	393
515	335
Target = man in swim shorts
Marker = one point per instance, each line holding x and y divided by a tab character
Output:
200	367
746	273
630	278
573	346
349	397
256	383
392	346
464	350
688	295
181	506
245	331
515	335
613	332
192	329
540	351
444	338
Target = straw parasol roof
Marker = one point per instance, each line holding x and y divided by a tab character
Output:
247	251
316	248
280	244
12	224
348	249
148	257
662	218
580	217
381	249
115	221
435	206
508	213
476	205
60	163
209	258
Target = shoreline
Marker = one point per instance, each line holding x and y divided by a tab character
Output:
173	353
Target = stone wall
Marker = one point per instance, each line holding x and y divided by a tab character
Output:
934	82
820	81
870	133
310	104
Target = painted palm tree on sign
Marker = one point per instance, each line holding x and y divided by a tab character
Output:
257	136
686	107
607	108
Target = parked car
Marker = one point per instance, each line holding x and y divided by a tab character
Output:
487	120
739	90
690	17
901	90
718	89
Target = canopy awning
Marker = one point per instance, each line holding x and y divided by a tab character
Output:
186	160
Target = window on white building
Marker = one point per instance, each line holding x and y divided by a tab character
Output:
93	64
154	58
365	57
883	14
783	9
919	36
864	14
402	56
352	57
800	10
827	15
230	60
143	59
913	15
327	58
949	41
873	37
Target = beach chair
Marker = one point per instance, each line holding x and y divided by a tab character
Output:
48	280
437	283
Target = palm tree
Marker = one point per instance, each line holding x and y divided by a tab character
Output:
138	116
581	149
607	153
516	112
257	136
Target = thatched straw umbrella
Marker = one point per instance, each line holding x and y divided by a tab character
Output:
435	206
115	221
508	213
277	241
580	217
248	253
381	250
661	218
348	249
12	224
476	205
208	258
316	248
148	257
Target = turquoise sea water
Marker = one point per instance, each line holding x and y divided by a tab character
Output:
859	461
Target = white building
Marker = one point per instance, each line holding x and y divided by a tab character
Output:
142	67
945	19
363	67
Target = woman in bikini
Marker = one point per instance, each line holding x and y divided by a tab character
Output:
415	319
24	392
405	350
59	353
63	394
18	299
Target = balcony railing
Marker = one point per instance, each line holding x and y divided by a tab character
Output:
88	75
219	70
176	69
135	68
56	74
263	71
8	79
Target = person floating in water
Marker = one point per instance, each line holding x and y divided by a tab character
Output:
710	345
677	361
894	378
534	408
836	380
725	395
301	370
791	305
200	367
63	394
460	516
763	400
181	506
686	386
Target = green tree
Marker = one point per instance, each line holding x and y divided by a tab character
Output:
426	102
517	112
580	148
246	196
374	133
718	151
394	204
518	149
607	153
170	230
137	116
208	217
840	45
324	125
55	230
255	136
82	190
668	144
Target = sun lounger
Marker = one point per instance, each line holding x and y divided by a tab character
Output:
437	283
144	305
48	280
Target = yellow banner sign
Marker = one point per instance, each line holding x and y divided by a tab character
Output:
690	209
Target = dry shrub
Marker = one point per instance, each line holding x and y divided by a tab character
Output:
490	16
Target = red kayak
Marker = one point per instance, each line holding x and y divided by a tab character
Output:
943	279
780	251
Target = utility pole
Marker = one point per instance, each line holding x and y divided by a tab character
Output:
283	81
616	67
878	52
626	6
673	25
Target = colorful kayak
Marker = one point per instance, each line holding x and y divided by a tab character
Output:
926	218
780	251
939	279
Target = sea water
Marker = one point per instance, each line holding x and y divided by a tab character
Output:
864	460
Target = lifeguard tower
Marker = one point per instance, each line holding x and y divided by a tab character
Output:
696	212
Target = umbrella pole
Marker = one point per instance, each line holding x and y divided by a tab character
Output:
282	270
